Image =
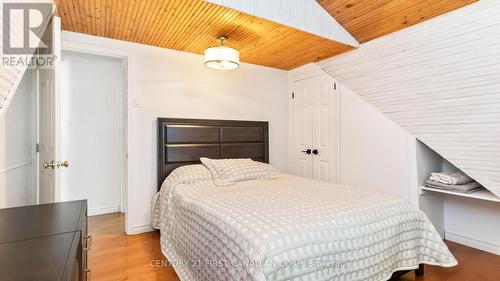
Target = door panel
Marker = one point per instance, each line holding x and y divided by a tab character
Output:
302	130
46	138
324	170
49	132
324	128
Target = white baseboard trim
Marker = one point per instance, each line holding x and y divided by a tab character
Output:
103	210
138	229
474	243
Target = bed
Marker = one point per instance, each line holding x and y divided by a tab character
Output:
280	228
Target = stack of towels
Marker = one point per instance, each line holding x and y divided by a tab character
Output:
453	181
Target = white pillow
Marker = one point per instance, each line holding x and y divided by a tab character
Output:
231	171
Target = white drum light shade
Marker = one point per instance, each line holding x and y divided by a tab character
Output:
222	58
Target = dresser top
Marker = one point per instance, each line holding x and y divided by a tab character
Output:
28	222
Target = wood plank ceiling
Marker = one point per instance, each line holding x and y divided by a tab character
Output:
370	19
193	26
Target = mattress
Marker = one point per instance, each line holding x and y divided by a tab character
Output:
289	228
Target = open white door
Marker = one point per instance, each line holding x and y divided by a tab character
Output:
49	121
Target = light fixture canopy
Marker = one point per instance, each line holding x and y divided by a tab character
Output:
222	57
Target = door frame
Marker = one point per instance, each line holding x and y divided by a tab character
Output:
126	113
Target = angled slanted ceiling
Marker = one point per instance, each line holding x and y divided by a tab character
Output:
370	19
305	15
440	80
193	26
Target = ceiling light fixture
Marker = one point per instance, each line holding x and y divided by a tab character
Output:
222	57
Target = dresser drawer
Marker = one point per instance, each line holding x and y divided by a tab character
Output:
86	239
43	242
45	258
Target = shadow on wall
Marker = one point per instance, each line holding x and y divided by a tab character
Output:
16	146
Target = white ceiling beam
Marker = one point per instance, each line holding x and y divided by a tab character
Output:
305	15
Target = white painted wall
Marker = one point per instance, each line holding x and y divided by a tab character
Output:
91	130
166	83
17	148
373	149
472	222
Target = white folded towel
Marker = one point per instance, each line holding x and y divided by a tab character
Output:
455	177
463	188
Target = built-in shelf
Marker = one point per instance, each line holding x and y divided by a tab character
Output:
483	194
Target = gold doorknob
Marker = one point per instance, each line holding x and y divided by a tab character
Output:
47	165
64	164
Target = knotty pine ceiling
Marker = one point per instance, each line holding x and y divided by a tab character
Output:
194	25
370	19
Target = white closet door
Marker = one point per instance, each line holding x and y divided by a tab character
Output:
302	129
324	129
314	128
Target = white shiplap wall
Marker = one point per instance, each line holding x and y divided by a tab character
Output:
306	15
11	75
7	78
440	80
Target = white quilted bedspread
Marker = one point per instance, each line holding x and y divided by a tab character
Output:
289	228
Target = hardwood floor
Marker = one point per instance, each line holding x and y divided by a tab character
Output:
116	256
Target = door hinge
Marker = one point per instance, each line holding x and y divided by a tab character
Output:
37	147
293	95
335	86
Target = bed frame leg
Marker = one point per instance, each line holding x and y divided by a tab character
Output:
420	270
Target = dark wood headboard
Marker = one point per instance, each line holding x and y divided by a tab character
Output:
184	141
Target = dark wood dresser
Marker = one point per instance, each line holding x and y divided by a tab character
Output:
44	242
